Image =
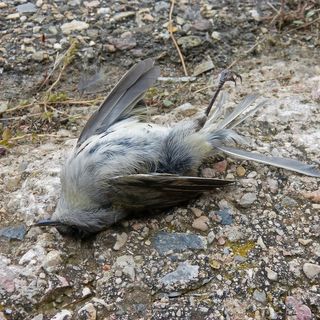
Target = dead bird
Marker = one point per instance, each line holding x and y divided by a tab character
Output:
122	165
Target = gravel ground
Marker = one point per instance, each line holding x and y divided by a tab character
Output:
251	251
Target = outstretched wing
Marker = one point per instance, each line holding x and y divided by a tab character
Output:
158	191
123	97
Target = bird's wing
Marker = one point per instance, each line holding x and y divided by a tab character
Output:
157	191
289	164
123	97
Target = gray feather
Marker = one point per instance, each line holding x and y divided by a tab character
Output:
122	98
289	164
239	110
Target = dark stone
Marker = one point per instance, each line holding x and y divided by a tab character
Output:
177	242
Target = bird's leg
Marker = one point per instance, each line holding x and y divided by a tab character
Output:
225	75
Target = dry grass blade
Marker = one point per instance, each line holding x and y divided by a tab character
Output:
170	29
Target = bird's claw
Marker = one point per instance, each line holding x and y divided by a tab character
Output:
229	75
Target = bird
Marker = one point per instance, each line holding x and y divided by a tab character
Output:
122	164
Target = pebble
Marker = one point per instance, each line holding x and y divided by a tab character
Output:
241	171
63	315
202	25
197	212
201	223
52	260
296	308
16	233
189	42
210	237
221	166
121	241
260	296
215	35
37	317
184	273
311	270
203	67
86	291
248	199
87	312
177	242
273	276
26	8
127	265
39	56
125	42
273	185
74	25
13	16
225	216
123	15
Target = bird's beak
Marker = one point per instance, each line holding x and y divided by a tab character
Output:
47	223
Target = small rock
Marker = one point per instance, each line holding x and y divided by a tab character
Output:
208	172
221	166
185	110
260	296
15	233
123	15
234	233
221	241
314	196
103	11
215	35
27	8
74	25
289	202
210	237
311	270
39	56
201	223
37	317
177	242
202	25
125	42
225	216
261	243
272	314
37	253
296	310
87	312
13	16
121	241
273	185
273	276
86	292
241	171
203	67
110	48
52	260
92	4
183	274
197	212
248	199
63	315
127	265
189	42
304	242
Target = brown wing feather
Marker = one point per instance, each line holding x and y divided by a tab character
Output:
157	191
